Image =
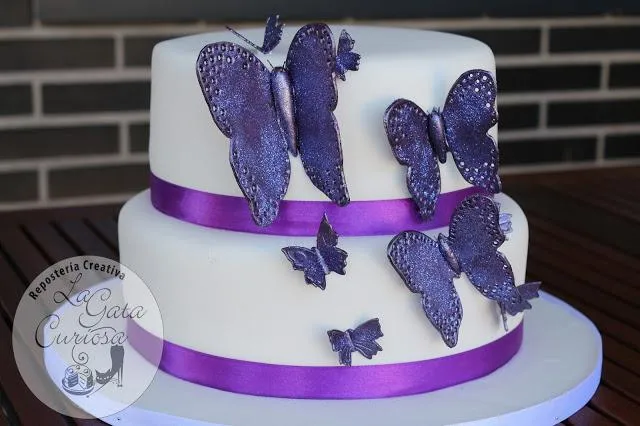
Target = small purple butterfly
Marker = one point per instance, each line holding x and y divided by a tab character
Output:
362	339
319	261
272	35
268	113
419	139
428	267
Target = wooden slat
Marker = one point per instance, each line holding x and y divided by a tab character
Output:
600	225
591	295
586	274
575	254
588	417
607	254
606	324
26	257
59	213
616	406
10	294
622	380
28	408
8	414
90	422
80	235
107	229
621	353
602	200
49	240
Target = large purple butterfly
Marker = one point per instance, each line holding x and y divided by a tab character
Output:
428	267
267	113
419	140
361	339
319	261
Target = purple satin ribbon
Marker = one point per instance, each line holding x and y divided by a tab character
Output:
358	382
301	218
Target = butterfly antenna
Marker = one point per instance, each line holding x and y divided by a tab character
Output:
269	62
246	40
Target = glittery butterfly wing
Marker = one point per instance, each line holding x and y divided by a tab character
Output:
342	344
272	35
530	290
474	237
310	62
236	87
364	338
469	112
307	260
335	258
406	125
423	268
346	59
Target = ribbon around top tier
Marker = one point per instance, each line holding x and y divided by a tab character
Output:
310	382
301	218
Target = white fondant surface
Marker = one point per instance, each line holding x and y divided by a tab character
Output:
186	147
236	295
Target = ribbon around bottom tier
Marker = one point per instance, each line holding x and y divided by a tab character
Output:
315	382
301	218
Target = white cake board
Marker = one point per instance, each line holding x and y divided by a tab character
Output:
555	374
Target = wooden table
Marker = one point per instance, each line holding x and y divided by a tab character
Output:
584	246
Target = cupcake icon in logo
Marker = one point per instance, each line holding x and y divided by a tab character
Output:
78	380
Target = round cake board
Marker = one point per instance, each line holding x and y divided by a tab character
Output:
555	373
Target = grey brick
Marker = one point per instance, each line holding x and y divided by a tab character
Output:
19	55
94	97
99	180
58	141
19	186
139	137
15	100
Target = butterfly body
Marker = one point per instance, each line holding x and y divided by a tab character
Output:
419	140
282	92
362	339
317	262
437	136
268	113
449	255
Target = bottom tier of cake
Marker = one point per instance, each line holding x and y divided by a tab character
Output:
235	295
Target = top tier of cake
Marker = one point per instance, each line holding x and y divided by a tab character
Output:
187	148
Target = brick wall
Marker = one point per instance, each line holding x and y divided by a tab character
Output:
74	99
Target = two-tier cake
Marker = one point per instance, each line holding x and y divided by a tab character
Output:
237	316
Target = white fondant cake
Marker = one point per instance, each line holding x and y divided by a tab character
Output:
234	294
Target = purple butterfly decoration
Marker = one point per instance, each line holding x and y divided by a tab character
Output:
419	139
428	267
268	113
319	261
362	340
346	59
272	35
